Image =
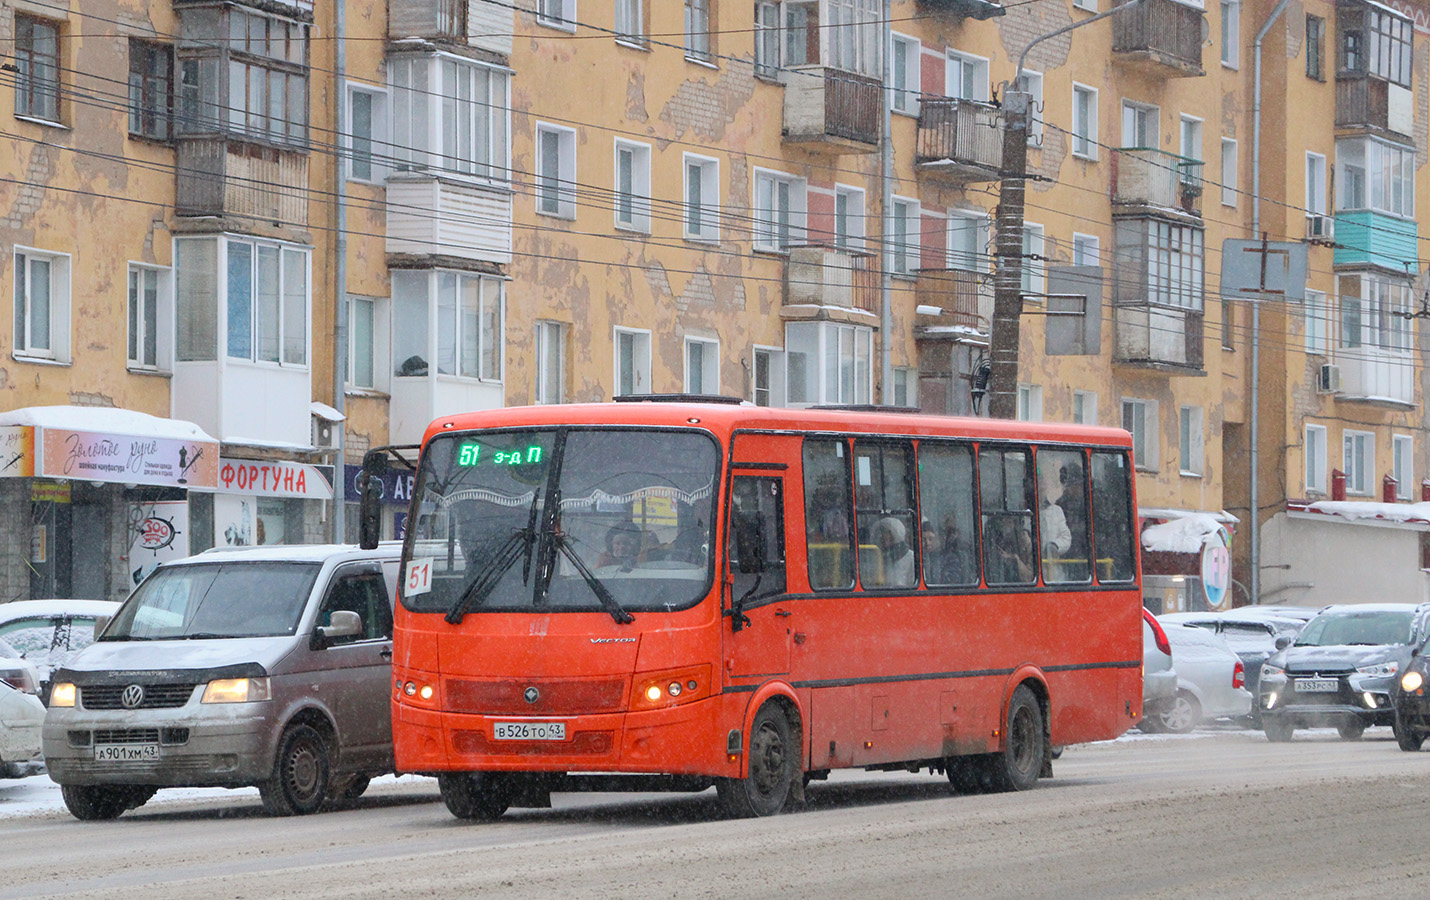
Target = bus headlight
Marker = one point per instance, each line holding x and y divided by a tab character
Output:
658	690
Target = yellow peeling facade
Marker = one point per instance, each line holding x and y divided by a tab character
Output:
574	200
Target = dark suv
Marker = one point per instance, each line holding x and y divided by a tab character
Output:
1340	670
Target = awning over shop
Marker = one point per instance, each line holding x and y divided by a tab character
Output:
104	444
1412	516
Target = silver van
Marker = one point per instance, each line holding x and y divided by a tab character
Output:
263	666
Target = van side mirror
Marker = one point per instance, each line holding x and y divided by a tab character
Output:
369	485
100	623
341	623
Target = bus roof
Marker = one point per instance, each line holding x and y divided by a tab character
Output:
725	418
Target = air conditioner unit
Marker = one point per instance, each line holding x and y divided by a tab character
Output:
325	433
1320	227
1328	380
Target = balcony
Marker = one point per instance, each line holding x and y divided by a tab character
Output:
959	141
432	216
439	19
832	110
965	9
1377	376
1158	337
218	176
1143	177
1160	35
1365	102
965	298
820	280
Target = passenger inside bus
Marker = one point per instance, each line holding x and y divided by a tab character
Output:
623	547
1009	550
947	558
898	557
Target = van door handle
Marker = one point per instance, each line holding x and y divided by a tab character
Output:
386	653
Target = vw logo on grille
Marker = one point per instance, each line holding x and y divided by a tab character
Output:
132	696
532	695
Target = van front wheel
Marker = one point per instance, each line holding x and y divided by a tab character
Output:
299	784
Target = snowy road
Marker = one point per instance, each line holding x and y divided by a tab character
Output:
1216	814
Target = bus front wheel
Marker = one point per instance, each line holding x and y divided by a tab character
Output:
478	796
773	767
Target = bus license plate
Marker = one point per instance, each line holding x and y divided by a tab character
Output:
1317	685
126	752
529	731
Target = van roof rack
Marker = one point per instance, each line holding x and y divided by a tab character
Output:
869	407
679	398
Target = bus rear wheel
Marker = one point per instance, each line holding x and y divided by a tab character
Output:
773	767
477	796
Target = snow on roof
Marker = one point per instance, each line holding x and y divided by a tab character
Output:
1184	535
294	553
1417	513
107	420
20	609
326	412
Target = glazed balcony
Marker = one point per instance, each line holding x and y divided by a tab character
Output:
959	141
832	110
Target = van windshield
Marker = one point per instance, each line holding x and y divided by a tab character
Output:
216	600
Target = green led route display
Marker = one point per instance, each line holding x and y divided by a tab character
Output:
469	454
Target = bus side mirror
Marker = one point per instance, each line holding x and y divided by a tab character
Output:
369	485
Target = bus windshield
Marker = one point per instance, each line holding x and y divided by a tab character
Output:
564	519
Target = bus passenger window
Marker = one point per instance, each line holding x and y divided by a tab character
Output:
1062	517
1005	490
884	511
948	532
1112	517
828	496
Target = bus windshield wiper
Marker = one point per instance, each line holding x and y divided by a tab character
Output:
490	574
597	586
555	542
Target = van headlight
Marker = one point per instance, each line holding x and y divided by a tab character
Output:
62	693
237	690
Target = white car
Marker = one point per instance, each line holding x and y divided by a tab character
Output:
22	716
1159	678
1211	681
48	632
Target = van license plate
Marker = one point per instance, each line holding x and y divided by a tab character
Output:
1317	685
529	731
125	752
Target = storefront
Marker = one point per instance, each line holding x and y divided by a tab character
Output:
269	501
1186	560
396	492
93	498
1338	551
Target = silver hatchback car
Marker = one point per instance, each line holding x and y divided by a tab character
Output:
266	666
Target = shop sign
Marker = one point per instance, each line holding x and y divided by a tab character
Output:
396	485
126	459
275	478
160	533
1216	570
17	451
49	492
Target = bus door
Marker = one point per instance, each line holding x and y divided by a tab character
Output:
759	617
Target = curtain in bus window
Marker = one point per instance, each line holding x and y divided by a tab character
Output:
827	514
884	512
1112	517
1062	516
948	532
1005	490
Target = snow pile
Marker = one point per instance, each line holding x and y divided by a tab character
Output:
1366	509
105	419
1184	535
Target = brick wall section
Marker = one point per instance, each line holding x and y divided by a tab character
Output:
14	551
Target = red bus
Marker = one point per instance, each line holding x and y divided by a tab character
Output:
666	595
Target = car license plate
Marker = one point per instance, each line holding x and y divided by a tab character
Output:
529	731
125	752
1317	685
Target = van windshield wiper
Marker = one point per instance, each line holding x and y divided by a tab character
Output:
490	574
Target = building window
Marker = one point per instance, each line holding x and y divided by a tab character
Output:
1139	417
1315	459
1231	33
1315	47
555	171
1032	85
1318	323
702	366
853	36
1375	175
699	42
550	362
906	386
630	22
1229	190
767	39
457	315
1402	465
1315	184
1086	5
1174	265
1087	250
149	318
1376	41
243	72
769	377
967	77
905	69
1357	460
557	14
151	90
702	198
368	148
1141	125
632	362
1084	408
1190	173
37	61
633	186
1084	121
904	236
1034	265
362	332
828	363
1192	436
42	305
1030	403
1374	312
449	115
848	217
267	302
968	241
779	211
